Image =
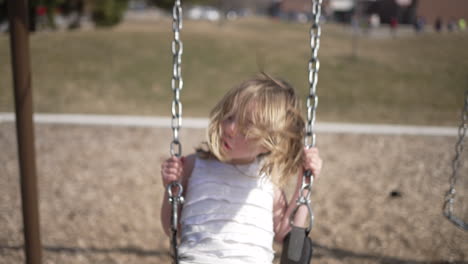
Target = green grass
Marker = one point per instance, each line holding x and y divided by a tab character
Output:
406	80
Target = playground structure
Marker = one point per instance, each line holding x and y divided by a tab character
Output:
25	133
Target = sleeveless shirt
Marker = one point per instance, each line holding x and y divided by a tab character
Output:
227	215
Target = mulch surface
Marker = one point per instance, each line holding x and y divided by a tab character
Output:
378	199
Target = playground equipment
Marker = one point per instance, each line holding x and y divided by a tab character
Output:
450	195
297	244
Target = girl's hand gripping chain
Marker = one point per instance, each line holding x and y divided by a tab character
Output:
297	247
172	170
311	166
312	161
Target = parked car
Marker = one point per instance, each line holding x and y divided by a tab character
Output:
4	27
203	13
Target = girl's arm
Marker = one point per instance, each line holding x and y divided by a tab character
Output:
174	169
282	210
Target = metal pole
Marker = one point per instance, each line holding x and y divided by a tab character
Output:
19	40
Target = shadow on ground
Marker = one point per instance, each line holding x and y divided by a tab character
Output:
93	250
321	251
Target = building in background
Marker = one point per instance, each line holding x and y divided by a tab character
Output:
300	10
296	10
446	10
405	11
408	11
340	10
400	11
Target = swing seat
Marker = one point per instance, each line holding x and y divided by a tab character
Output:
297	247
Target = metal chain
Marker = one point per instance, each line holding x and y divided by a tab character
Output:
175	189
450	195
313	68
177	81
312	101
175	199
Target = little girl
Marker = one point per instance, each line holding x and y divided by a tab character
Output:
234	205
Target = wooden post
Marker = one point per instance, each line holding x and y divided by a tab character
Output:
19	40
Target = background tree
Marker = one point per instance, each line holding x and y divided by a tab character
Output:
74	10
107	13
3	13
103	12
168	4
51	8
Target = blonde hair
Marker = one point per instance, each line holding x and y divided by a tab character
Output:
268	112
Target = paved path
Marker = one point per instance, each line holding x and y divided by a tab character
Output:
140	121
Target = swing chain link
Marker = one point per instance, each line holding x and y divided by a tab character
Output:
311	102
304	199
450	195
177	81
175	189
175	200
313	68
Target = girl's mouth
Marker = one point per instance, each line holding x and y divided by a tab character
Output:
226	145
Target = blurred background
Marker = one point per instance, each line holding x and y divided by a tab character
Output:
71	14
380	196
404	59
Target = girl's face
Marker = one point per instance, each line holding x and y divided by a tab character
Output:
238	148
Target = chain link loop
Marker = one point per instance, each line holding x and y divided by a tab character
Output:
313	68
175	189
177	81
450	195
304	200
311	102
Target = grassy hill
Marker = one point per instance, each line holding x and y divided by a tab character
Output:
410	79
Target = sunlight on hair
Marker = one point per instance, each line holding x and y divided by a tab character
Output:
267	111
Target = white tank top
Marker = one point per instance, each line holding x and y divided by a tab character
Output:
227	216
